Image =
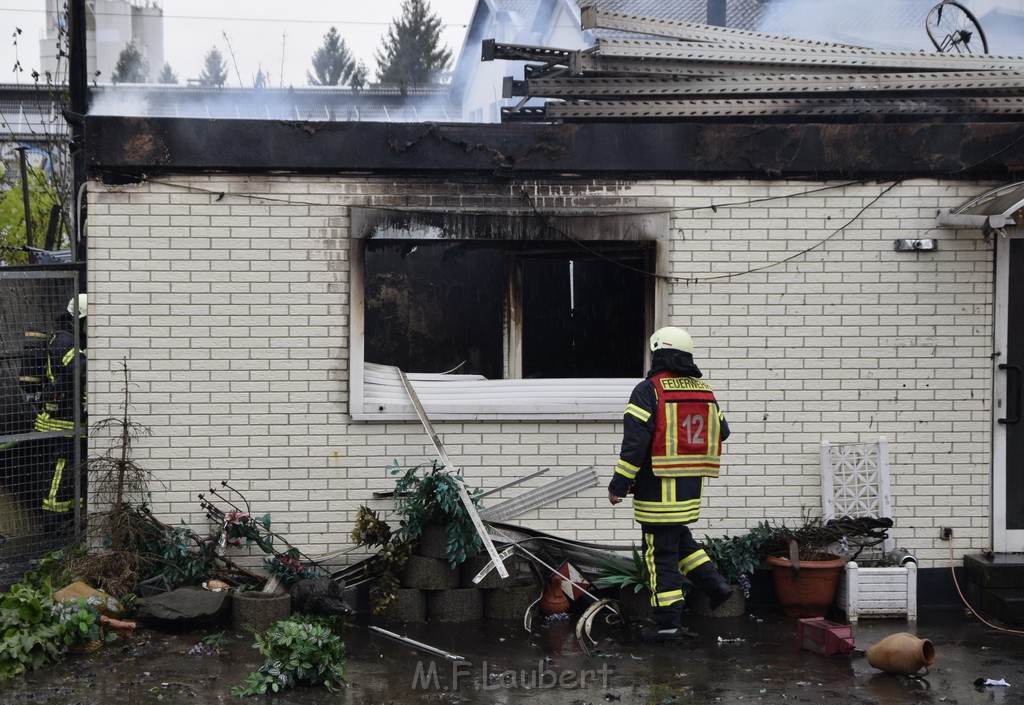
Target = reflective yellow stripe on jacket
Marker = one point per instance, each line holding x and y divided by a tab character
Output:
45	422
666	512
50	502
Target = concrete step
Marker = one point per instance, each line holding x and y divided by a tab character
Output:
996	571
1005	605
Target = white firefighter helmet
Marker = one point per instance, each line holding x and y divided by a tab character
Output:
82	302
672	338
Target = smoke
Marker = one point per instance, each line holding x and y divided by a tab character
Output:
299	104
474	94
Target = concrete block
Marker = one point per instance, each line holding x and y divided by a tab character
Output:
458	605
432	541
429	574
410	606
258	611
510	603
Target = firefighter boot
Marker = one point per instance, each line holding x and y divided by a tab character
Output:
711	583
654	634
666	628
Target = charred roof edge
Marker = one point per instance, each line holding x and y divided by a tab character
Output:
119	147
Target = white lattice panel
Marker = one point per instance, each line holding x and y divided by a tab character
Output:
855	480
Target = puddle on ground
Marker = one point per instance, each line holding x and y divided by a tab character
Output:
734	660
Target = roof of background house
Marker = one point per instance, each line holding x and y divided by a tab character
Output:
880	24
740	14
1004	30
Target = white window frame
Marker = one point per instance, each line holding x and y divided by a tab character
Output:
376	392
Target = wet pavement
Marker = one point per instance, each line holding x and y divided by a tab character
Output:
749	659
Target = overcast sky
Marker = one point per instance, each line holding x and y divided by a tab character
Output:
280	36
263	33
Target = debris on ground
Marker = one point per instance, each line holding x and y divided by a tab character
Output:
983	682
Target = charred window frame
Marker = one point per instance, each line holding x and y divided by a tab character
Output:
578	313
506	298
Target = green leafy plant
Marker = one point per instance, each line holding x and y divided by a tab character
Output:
297	651
80	621
624	574
434	497
32	633
370	530
736	557
386	566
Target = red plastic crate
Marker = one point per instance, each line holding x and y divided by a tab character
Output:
824	637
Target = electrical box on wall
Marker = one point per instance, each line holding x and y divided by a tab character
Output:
922	245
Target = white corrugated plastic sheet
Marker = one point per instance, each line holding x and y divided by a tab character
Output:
450	396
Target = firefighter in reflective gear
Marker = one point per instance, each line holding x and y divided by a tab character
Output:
672	438
65	364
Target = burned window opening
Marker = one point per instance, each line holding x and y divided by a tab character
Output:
507	309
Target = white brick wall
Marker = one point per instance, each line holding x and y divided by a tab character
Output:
229	298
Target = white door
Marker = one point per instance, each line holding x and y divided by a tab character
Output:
1008	451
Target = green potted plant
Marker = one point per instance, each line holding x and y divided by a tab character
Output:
632	579
736	558
431	501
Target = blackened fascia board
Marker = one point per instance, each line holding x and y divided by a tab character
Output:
129	147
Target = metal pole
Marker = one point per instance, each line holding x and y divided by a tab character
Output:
417	644
81	431
78	88
467	501
24	197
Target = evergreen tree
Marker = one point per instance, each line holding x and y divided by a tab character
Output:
411	53
167	75
215	69
332	62
131	66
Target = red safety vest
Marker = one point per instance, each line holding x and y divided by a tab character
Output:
687	428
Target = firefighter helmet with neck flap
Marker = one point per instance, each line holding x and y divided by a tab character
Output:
671	338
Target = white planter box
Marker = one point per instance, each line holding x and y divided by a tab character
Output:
878	592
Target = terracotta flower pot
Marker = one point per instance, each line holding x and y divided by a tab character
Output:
122	628
554	600
809	591
902	654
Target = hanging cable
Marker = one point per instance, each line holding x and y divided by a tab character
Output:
695	279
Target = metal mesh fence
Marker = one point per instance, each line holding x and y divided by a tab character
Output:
42	417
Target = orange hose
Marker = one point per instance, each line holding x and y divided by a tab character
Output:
952	568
